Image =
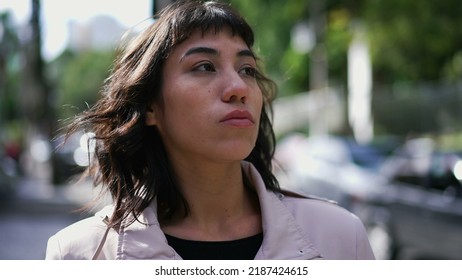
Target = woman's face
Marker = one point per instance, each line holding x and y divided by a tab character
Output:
211	100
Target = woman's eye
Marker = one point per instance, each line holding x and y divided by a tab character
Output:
208	67
249	71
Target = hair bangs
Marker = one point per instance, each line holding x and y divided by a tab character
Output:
210	17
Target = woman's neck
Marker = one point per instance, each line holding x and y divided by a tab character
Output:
220	206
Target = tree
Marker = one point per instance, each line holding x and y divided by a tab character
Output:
414	40
273	22
35	90
409	40
9	55
11	136
78	79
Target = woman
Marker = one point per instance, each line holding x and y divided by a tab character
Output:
184	145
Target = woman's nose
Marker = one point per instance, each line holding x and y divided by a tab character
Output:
235	88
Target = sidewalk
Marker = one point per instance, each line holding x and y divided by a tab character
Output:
36	211
39	190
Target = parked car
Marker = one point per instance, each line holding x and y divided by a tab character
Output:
331	167
419	215
410	201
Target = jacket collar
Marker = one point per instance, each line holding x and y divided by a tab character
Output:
144	239
283	237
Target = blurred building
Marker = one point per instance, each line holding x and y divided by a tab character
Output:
98	33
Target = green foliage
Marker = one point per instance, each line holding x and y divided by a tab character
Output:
409	40
452	70
9	69
272	22
413	40
297	71
79	78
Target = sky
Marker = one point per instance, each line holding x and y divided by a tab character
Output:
56	15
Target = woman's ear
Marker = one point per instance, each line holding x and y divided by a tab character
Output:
151	116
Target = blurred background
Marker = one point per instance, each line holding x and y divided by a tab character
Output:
367	115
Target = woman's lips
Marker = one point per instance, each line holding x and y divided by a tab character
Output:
238	118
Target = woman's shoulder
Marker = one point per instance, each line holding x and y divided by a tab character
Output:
78	240
303	202
95	222
85	227
298	196
311	208
333	229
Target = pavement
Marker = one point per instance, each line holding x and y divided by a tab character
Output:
40	191
36	211
37	189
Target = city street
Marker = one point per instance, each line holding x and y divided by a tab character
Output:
36	212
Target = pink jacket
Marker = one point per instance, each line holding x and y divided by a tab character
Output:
294	228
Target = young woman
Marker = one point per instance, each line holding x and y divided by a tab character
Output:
184	145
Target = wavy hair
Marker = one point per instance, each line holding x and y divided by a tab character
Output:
130	160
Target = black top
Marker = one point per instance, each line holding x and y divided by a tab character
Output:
240	249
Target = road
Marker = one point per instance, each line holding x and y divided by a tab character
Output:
36	212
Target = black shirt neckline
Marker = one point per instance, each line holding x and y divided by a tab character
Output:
239	249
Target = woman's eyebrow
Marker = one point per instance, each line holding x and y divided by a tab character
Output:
212	51
195	50
248	53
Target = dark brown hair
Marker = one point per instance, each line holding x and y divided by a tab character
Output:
130	160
